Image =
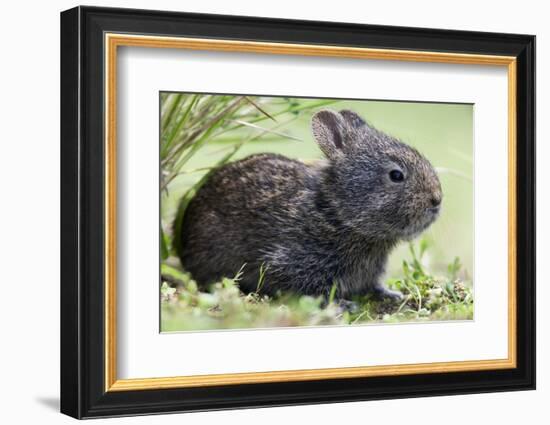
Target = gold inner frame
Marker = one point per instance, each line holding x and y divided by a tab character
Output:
113	41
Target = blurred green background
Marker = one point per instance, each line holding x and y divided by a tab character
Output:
442	132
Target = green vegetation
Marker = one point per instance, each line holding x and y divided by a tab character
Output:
202	132
426	297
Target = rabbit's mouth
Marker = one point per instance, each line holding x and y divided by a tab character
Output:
434	211
421	223
430	216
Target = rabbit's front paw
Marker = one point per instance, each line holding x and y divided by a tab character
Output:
382	293
347	305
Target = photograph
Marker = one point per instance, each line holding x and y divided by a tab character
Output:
281	212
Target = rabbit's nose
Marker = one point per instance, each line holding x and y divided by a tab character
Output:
436	200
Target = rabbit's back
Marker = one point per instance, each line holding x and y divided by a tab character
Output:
241	211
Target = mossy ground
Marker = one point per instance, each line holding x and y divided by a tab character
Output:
427	297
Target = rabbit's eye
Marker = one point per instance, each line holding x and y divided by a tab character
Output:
396	176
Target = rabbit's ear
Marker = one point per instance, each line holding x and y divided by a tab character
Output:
352	119
329	130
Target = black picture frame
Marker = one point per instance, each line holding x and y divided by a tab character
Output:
83	392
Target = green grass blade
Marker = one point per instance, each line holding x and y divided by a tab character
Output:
178	127
164	250
174	104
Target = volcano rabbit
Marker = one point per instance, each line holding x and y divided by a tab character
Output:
309	227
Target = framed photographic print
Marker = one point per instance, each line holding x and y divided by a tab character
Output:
261	212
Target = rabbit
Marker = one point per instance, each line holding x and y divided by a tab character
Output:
308	228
